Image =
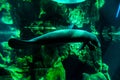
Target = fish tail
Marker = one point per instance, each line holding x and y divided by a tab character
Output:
19	44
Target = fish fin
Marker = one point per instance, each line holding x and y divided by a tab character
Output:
82	45
71	26
19	44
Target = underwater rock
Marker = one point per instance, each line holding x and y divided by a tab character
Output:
96	76
102	75
105	69
5	15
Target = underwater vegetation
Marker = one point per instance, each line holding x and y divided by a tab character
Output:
7	28
5	16
112	34
51	40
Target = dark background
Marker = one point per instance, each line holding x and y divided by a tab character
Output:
111	51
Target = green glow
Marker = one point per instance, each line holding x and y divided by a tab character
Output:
77	17
15	72
24	61
96	76
6	16
41	13
94	31
37	27
57	72
6	50
99	3
15	33
5	5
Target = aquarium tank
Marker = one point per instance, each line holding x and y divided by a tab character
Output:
59	40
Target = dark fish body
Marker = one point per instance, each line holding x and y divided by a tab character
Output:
58	36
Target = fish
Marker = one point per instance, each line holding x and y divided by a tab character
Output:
118	11
56	37
68	1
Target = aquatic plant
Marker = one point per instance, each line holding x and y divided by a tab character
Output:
6	51
77	17
58	71
99	3
5	10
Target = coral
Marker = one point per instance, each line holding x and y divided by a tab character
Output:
94	30
82	14
7	52
57	70
99	3
77	17
87	56
103	75
23	61
4	5
96	76
7	62
5	8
